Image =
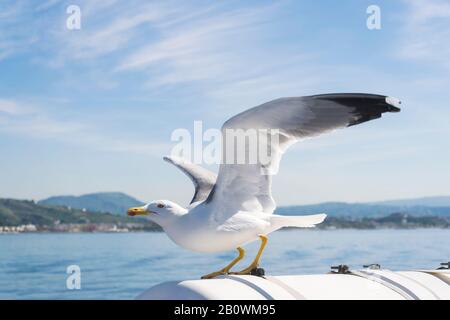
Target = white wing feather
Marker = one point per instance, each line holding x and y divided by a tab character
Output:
202	178
243	187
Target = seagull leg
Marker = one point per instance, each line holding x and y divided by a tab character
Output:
255	262
226	269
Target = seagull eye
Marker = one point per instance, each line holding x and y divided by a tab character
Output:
160	205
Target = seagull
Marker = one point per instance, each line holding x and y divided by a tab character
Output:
236	207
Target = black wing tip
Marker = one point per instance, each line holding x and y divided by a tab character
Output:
393	104
393	109
168	159
365	106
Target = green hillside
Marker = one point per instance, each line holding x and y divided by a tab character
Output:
438	201
111	202
117	203
62	219
21	212
359	210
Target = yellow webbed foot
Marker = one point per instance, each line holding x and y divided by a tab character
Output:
253	267
226	270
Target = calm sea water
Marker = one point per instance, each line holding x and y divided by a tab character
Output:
120	266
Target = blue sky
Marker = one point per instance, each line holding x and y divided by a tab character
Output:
93	109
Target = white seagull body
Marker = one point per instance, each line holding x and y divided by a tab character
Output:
236	207
194	231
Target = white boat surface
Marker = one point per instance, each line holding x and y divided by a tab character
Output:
363	284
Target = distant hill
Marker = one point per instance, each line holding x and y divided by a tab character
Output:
111	202
427	206
48	218
17	212
359	210
393	221
440	201
117	203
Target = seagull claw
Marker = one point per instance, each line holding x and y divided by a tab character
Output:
253	269
214	275
256	271
226	270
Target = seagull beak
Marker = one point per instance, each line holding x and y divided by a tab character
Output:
138	211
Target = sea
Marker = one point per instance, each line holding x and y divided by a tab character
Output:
122	265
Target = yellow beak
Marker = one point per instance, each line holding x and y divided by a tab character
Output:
138	211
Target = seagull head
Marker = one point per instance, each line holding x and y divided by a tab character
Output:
161	212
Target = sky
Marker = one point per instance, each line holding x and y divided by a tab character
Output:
93	109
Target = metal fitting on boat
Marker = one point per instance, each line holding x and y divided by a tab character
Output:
341	269
372	266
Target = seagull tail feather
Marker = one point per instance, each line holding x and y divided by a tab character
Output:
308	221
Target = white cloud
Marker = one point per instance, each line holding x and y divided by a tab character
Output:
18	30
168	42
8	106
109	26
9	17
45	5
11	107
426	31
10	11
225	54
35	123
221	46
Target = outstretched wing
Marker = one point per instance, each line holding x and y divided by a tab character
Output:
202	178
244	186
